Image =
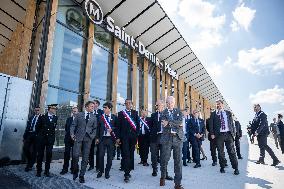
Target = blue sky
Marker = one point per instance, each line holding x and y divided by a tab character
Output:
241	44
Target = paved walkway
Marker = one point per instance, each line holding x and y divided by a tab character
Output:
251	175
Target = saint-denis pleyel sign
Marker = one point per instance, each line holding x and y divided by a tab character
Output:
95	14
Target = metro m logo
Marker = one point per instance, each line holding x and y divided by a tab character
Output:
94	11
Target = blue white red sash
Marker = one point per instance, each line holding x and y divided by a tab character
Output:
144	123
108	125
129	119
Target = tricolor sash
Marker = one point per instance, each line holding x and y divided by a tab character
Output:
144	123
108	125
129	119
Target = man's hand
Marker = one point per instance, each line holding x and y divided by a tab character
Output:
165	123
73	137
213	136
118	141
97	141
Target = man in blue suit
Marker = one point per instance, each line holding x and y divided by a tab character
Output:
196	135
185	145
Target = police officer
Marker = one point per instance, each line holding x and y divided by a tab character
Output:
30	139
261	131
45	137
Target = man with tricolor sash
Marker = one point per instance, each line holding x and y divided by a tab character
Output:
144	137
106	138
128	130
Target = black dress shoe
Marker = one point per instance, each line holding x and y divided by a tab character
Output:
154	174
189	161
222	170
169	177
63	172
126	179
47	174
214	163
204	158
81	179
146	164
118	158
197	165
27	169
226	164
90	168
240	157
236	172
75	175
184	163
260	162
121	169
140	162
275	163
38	174
107	175
99	175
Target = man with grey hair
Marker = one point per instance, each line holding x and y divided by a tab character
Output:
171	138
221	127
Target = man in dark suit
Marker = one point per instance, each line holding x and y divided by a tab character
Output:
238	137
213	145
97	112
68	141
45	137
222	128
259	128
128	130
185	145
83	131
30	139
196	135
106	138
144	137
171	138
280	126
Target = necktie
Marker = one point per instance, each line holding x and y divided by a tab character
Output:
171	114
96	112
50	118
33	123
222	121
87	117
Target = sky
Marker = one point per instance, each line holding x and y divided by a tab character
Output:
241	45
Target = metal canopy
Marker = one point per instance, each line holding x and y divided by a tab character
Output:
147	22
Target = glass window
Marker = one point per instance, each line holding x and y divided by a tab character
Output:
66	61
103	38
124	79
101	75
71	15
150	93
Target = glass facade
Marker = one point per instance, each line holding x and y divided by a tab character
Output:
67	71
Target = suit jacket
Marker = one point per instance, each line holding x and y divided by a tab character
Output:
281	128
260	124
175	125
99	113
102	129
125	130
155	126
29	125
80	128
45	129
215	124
194	129
239	132
68	124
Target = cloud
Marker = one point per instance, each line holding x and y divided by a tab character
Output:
215	70
279	112
120	99
76	51
228	61
97	51
201	19
243	17
263	61
268	96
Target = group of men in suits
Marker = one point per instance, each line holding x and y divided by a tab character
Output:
165	130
